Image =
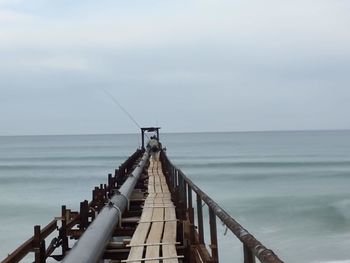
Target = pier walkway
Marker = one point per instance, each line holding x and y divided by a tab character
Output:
156	230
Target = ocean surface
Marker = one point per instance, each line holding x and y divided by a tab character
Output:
290	189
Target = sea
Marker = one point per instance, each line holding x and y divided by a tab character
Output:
291	190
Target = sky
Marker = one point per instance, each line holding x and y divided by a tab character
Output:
187	66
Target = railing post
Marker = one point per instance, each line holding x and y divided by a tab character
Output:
248	255
39	246
182	195
84	215
172	177
184	192
190	212
63	230
200	219
213	236
175	178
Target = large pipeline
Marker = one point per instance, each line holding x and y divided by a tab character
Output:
91	245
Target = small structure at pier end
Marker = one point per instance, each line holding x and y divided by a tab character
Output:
148	211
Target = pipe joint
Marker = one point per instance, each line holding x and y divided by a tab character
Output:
118	193
113	205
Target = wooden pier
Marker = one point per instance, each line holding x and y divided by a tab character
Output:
148	211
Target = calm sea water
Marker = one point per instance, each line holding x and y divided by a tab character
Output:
290	189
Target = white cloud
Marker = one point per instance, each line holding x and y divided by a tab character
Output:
253	24
44	62
68	63
10	16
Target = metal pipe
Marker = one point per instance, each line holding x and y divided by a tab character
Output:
91	245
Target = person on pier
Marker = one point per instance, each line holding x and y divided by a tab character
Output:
154	147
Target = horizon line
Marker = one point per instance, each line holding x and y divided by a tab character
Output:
176	132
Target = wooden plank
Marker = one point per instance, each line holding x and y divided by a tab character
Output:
169	232
157	186
151	189
164	195
165	188
153	198
154	244
169	214
170	252
159	206
140	235
147	214
169	236
156	200
153	221
155	235
149	259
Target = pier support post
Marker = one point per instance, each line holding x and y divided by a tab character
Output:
248	255
191	213
63	231
200	219
213	236
84	215
39	246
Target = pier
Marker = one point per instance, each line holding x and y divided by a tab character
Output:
147	211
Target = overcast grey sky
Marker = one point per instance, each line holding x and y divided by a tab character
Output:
203	65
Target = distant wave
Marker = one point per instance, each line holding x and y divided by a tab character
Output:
62	158
247	156
50	167
53	147
60	180
265	164
329	213
333	261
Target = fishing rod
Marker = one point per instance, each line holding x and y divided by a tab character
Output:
116	102
121	107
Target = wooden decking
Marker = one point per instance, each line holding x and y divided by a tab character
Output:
154	239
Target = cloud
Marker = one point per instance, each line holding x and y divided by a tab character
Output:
10	16
270	25
65	63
